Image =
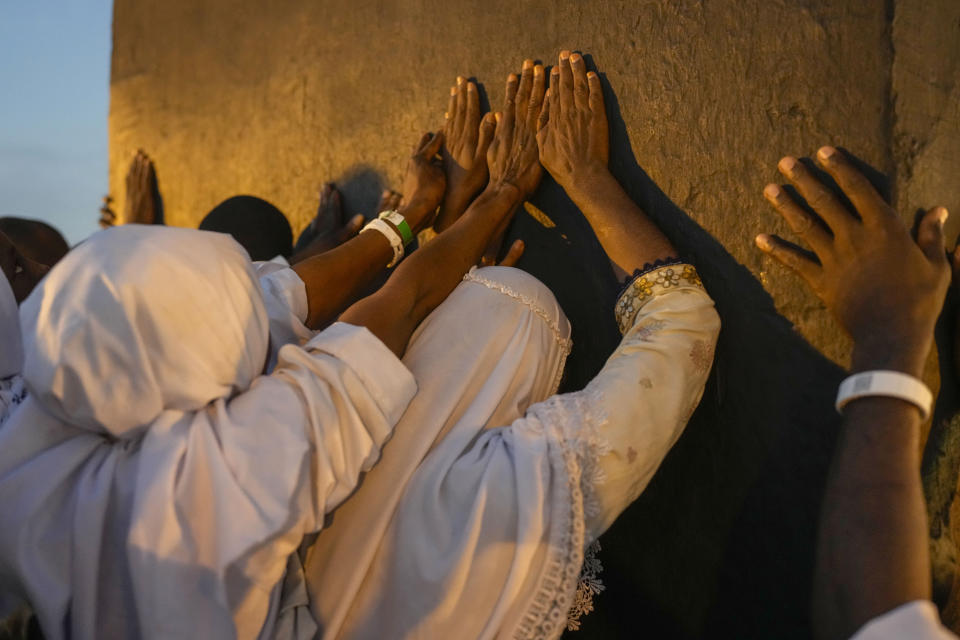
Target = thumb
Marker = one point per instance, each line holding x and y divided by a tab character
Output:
513	255
432	147
930	234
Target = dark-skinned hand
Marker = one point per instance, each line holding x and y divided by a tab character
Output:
424	183
885	289
513	158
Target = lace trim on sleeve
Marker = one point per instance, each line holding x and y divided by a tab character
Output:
569	579
647	285
565	343
12	392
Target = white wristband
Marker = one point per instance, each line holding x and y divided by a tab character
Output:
892	384
396	242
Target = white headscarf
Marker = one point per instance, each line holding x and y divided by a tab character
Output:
11	349
167	301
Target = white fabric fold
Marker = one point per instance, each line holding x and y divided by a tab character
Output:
178	524
485	538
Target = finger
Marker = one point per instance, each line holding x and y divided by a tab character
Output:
581	93
554	91
460	114
930	235
596	93
544	116
487	128
870	205
536	98
424	139
817	195
526	85
350	229
513	255
792	257
451	109
505	124
432	147
800	220
471	122
566	82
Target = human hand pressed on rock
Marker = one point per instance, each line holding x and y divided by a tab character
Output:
572	132
885	289
513	157
424	183
467	137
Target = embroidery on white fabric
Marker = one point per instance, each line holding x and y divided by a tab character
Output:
650	284
12	393
565	343
590	585
575	446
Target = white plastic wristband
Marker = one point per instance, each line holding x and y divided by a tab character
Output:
892	384
396	242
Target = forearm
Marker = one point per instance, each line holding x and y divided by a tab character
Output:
335	278
628	236
427	277
872	553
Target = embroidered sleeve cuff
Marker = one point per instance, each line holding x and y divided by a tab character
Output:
390	382
649	285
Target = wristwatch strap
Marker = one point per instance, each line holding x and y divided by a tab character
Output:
891	384
396	242
399	222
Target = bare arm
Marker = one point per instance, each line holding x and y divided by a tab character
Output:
574	147
337	277
886	290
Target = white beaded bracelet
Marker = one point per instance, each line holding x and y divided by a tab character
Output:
892	384
396	242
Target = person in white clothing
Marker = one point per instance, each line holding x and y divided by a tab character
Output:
492	489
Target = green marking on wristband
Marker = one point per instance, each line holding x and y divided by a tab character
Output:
405	232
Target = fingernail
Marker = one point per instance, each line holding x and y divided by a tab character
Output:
527	64
788	165
446	115
576	57
564	55
772	192
497	116
459	80
763	242
554	72
471	87
538	70
592	75
827	154
512	77
453	91
942	215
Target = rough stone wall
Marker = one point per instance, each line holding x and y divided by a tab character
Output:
273	98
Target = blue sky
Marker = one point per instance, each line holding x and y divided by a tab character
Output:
55	79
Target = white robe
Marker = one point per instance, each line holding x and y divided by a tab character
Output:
180	525
471	529
12	391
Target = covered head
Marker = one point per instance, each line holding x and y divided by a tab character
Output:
257	225
35	239
142	319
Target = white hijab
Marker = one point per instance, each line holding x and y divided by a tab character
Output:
386	567
133	322
141	319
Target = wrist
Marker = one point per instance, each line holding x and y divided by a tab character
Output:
418	215
588	180
903	354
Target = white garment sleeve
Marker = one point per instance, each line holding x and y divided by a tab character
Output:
224	496
644	396
917	620
285	298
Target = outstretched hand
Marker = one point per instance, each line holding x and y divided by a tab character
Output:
572	132
513	158
424	183
467	137
885	289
